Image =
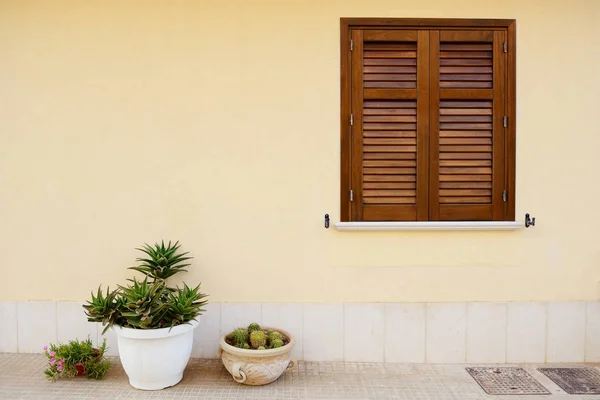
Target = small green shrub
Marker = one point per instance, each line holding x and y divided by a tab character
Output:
76	358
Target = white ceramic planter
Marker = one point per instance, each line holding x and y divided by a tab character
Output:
257	367
154	359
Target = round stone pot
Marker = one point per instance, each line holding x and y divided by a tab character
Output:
154	359
258	367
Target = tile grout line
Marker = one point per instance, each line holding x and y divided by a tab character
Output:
426	309
302	329
466	332
56	320
506	334
384	331
344	332
546	305
585	316
17	324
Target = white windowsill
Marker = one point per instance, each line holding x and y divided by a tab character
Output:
431	226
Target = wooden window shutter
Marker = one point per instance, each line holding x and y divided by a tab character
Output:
467	159
428	119
390	125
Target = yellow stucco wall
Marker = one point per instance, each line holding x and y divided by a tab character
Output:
217	123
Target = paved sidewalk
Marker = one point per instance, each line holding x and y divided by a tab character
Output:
21	377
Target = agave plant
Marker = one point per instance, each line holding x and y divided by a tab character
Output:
150	303
162	262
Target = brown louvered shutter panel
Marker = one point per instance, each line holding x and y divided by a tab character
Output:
390	108
468	87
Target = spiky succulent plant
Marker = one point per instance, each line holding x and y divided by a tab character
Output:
276	343
162	261
105	309
150	303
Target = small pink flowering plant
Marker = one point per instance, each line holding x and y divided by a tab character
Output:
76	358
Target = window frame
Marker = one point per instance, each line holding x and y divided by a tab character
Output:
346	26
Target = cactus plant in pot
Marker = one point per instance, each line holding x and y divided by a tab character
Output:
257	355
153	322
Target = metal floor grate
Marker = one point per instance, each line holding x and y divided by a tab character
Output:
506	380
574	380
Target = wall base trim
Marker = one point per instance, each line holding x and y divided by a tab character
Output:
462	332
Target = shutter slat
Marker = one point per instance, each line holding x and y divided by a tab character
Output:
401	77
391	127
465	200
392	61
465	185
390	118
390	134
390	163
389	200
455	140
465	134
471	163
398	70
389	193
466	170
392	141
390	111
465	62
390	149
389	171
466	192
389	185
462	70
389	156
388	53
389	178
389	84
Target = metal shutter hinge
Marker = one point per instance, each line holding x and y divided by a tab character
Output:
351	45
351	195
351	119
505	121
505	196
505	47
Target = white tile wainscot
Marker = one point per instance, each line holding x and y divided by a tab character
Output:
364	332
286	316
323	331
566	332
235	315
8	328
405	332
446	333
71	322
36	323
526	332
592	333
480	332
486	332
208	332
